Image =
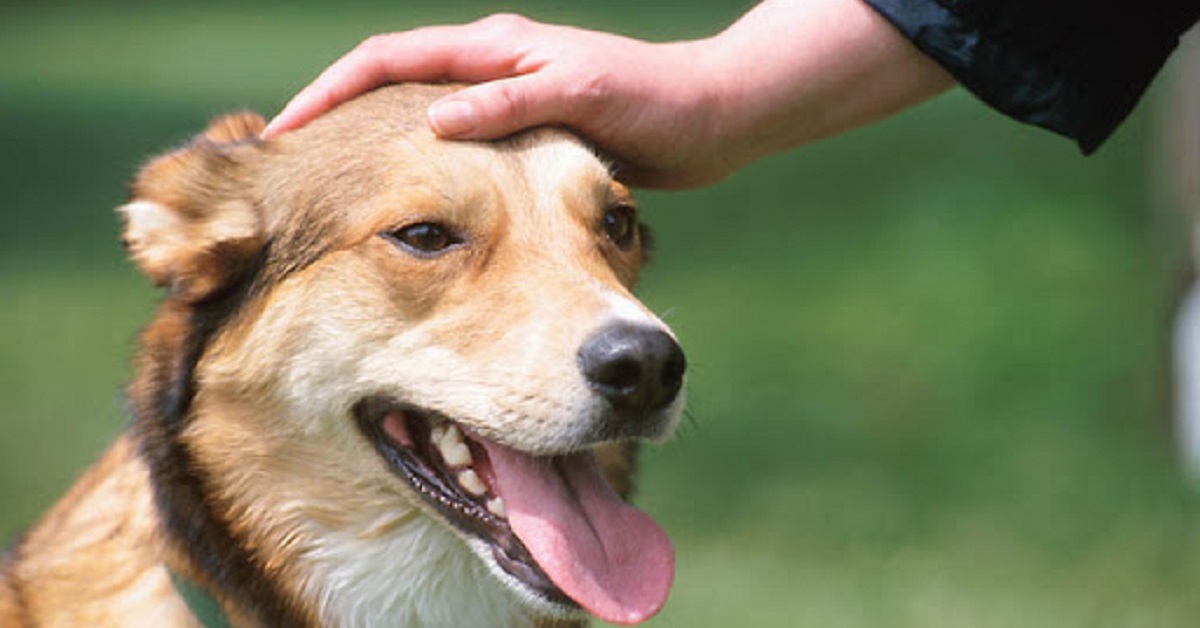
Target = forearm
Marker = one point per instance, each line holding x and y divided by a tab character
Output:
790	72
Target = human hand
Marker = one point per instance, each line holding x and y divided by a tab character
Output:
672	115
646	105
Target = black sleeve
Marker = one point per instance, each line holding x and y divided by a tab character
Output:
1076	67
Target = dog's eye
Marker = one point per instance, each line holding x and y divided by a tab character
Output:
423	238
620	224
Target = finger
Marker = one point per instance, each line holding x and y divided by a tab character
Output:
465	53
502	107
372	63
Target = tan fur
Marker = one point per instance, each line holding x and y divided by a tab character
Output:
9	610
94	559
330	312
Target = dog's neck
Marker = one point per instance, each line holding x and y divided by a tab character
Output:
416	574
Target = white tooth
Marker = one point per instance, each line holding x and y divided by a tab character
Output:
451	436
496	506
437	433
469	480
454	451
458	455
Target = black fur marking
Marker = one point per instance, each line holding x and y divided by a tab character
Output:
182	493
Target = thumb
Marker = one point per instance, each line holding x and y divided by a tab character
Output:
497	108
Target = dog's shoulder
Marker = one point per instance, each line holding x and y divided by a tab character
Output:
11	613
95	551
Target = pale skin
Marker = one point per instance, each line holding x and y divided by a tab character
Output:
671	115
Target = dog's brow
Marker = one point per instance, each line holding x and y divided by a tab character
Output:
569	163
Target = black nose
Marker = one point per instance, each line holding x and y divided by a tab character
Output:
636	368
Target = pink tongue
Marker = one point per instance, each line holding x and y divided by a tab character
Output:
608	556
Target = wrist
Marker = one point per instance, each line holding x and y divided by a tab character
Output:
708	94
791	72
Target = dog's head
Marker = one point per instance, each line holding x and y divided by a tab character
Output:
388	341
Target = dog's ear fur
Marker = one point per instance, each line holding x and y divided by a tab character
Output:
192	223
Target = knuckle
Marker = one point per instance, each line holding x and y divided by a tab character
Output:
373	46
589	92
504	24
510	102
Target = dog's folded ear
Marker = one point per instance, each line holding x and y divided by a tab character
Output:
192	223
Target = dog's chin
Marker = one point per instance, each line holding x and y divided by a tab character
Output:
450	471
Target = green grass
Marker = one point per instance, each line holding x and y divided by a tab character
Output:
926	383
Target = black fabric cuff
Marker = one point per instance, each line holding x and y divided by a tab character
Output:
1050	74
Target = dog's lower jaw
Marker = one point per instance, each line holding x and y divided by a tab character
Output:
439	581
553	614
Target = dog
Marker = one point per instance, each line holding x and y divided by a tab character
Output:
393	381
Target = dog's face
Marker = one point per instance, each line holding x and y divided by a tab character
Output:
423	347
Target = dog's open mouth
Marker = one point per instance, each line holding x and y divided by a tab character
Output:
552	523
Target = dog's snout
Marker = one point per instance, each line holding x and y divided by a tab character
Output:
637	368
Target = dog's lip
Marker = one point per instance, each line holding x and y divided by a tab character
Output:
414	462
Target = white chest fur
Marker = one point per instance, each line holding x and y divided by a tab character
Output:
418	575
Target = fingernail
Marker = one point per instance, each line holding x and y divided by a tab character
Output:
269	130
451	118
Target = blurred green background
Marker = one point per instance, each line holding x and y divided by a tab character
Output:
927	382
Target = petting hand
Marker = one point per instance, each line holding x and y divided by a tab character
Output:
647	105
678	114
